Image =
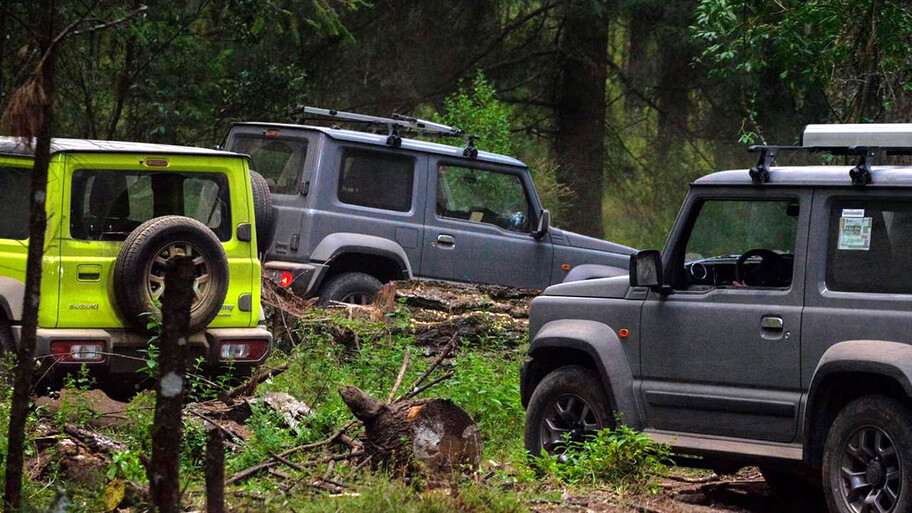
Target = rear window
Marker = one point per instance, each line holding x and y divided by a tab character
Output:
280	161
108	205
870	246
15	185
377	180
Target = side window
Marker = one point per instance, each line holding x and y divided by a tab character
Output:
869	245
280	161
15	185
741	243
481	196
377	180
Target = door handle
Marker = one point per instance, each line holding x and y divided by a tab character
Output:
771	323
446	240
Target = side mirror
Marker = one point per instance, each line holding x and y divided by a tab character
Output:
544	224
646	269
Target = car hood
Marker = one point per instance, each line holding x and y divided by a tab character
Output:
576	240
614	287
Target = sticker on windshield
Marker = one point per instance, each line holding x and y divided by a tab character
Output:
854	233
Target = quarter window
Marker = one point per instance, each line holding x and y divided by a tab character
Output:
741	243
480	196
280	161
869	246
15	186
377	180
108	205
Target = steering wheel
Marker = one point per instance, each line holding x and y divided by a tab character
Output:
767	271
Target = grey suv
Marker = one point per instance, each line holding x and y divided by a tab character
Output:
775	329
355	209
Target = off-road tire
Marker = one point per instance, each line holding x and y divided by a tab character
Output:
871	413
135	259
7	342
263	212
344	286
574	380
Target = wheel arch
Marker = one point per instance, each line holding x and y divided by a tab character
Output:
849	370
344	251
588	343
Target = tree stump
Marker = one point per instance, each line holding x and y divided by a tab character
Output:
428	436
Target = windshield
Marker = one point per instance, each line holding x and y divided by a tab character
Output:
280	161
108	205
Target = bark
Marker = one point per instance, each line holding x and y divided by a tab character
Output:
426	436
167	430
37	227
580	112
123	81
215	472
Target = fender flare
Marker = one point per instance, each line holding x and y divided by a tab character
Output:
12	292
604	347
336	244
885	358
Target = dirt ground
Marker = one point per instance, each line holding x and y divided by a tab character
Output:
745	492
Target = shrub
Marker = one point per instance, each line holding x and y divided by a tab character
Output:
620	457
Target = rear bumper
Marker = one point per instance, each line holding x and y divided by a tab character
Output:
306	278
124	350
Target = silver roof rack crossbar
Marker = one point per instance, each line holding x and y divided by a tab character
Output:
395	125
862	140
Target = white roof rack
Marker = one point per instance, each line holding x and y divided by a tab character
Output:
877	135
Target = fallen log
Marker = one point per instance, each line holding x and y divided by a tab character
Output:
428	436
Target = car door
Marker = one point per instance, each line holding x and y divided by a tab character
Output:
479	222
719	357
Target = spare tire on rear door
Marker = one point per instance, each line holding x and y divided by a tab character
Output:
262	211
139	274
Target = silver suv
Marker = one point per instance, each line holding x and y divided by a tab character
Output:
355	209
774	329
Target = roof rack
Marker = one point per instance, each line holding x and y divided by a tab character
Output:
395	125
862	140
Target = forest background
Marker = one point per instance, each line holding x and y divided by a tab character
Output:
616	105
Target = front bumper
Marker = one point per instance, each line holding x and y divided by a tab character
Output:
124	350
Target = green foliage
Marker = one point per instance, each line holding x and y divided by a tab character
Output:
126	465
620	457
812	46
477	110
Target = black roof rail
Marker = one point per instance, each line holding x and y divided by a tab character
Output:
395	125
860	174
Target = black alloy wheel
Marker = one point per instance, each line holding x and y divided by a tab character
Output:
569	404
871	471
867	460
569	418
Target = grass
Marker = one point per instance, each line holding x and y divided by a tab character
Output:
485	383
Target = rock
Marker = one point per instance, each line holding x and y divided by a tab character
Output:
95	404
291	410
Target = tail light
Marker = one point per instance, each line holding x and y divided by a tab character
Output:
285	279
80	351
242	350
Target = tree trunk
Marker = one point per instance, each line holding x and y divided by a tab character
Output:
41	108
163	471
215	471
580	143
429	436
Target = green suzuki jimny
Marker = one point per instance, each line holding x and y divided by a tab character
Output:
117	213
